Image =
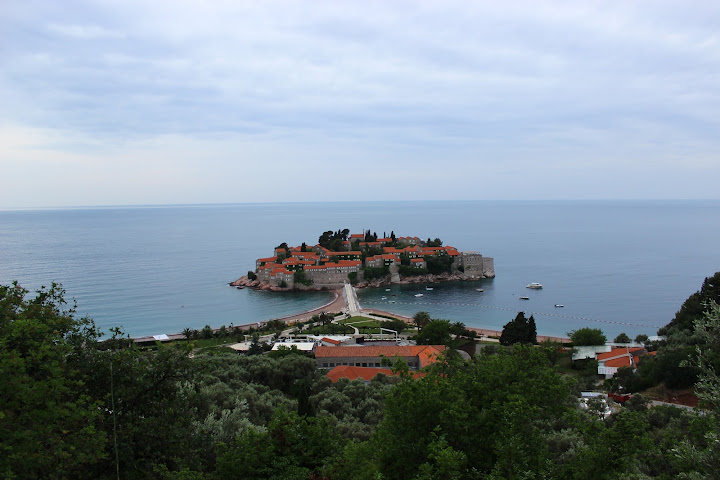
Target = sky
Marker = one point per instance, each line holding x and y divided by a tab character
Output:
128	102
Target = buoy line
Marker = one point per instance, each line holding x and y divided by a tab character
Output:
516	310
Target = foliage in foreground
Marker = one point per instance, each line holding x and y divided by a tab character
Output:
72	406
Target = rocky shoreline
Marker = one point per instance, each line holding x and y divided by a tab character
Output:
245	282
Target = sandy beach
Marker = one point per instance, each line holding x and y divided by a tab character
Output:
337	305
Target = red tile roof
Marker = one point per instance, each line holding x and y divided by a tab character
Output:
346	371
617	352
330	340
427	354
366	373
623	361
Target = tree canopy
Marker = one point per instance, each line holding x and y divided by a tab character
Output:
73	405
587	336
519	330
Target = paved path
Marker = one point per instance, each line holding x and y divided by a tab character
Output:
353	305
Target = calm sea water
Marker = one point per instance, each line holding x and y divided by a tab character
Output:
619	266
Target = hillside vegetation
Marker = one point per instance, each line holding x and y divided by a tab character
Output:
73	406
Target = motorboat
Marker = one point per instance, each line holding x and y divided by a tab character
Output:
387	289
429	289
559	305
479	290
392	301
383	298
418	294
524	298
534	285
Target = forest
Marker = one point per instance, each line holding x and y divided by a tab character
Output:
78	403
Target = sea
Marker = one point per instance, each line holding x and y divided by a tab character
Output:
620	266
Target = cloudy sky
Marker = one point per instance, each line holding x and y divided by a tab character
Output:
125	102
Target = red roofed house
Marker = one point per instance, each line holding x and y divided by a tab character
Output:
416	356
365	373
610	362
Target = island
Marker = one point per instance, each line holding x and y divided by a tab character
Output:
364	260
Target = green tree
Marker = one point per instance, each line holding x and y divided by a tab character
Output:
300	277
188	333
420	319
694	307
207	332
435	332
255	347
519	330
293	447
641	338
513	401
622	338
325	318
49	425
587	336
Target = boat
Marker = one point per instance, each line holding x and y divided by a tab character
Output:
534	285
524	298
559	305
392	301
479	290
383	298
428	288
418	294
387	289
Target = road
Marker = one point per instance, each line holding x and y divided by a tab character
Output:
353	306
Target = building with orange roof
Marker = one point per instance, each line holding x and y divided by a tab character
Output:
418	262
326	268
349	255
416	356
353	373
610	362
364	373
262	261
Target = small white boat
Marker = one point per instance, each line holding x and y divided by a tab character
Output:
383	298
559	305
428	288
524	298
418	294
387	289
479	290
392	301
534	285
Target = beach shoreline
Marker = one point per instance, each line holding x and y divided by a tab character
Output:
337	305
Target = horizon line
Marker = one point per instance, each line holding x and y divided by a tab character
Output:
218	204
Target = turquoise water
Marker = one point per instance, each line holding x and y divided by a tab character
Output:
619	266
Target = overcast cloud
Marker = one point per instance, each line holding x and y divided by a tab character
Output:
153	102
